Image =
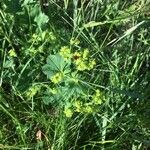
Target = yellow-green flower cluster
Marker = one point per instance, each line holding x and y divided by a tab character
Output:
45	35
65	52
79	106
85	107
57	78
88	109
68	112
97	97
82	60
12	53
36	38
32	91
74	42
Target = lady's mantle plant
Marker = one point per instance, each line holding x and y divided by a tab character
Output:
66	88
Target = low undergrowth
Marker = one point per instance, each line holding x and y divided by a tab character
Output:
74	75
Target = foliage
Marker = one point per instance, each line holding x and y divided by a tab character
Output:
74	74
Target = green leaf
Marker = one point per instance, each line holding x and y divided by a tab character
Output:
50	98
47	70
41	19
9	64
55	64
35	10
47	100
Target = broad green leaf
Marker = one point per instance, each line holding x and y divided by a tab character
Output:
41	19
48	100
47	70
35	10
51	98
55	64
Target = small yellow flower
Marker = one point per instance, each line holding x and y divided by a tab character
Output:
74	42
85	54
57	78
78	106
92	63
88	109
81	65
78	60
32	91
97	92
65	52
34	36
76	56
97	97
68	112
12	53
82	61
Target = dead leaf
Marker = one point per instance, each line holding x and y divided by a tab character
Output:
39	135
